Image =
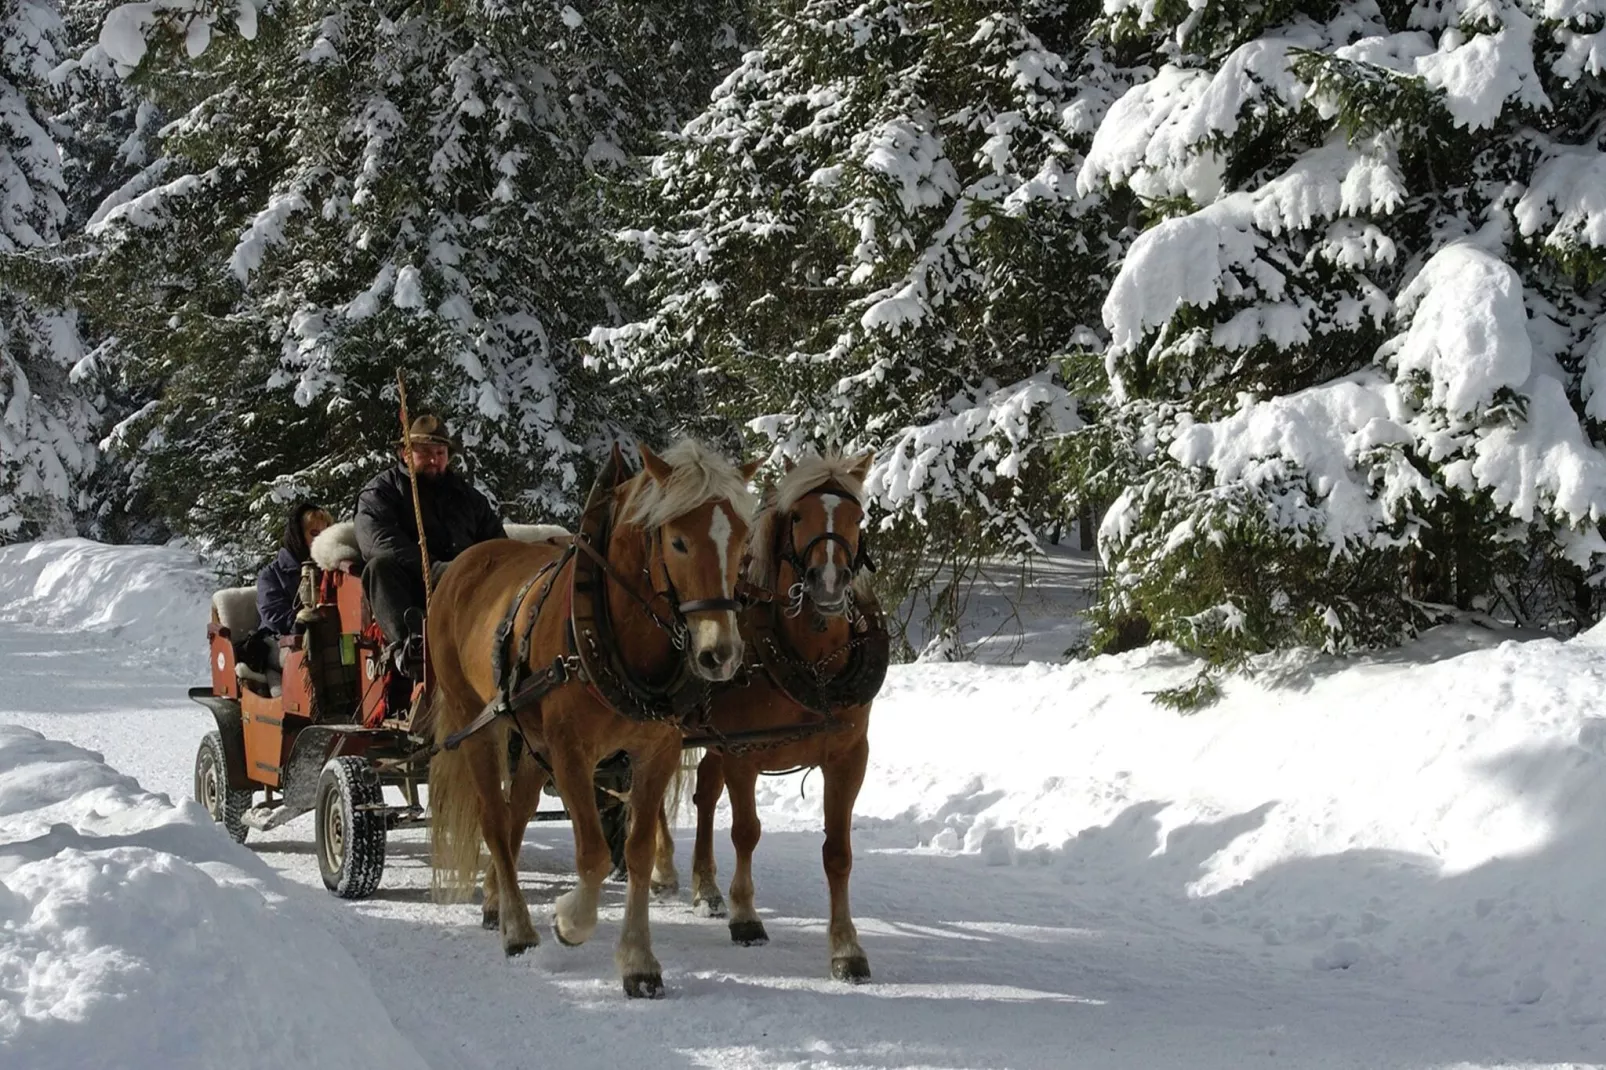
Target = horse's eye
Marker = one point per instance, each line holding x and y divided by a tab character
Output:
797	518
679	544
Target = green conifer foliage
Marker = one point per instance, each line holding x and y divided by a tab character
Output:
347	190
46	421
1353	354
872	238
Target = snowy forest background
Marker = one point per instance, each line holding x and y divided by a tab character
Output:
1305	301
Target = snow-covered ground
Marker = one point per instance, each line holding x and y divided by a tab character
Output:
1399	862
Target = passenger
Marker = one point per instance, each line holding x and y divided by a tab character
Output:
278	583
456	516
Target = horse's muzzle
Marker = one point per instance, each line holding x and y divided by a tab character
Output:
827	588
717	659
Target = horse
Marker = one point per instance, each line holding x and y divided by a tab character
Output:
807	547
661	588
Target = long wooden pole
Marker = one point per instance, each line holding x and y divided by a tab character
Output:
412	474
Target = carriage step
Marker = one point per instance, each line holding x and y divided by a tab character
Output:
263	818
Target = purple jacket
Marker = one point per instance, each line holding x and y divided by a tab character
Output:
276	593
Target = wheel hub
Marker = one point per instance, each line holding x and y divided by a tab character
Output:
208	789
334	838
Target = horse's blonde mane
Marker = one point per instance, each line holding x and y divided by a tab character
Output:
808	474
698	475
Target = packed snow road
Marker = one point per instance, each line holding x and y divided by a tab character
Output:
1137	908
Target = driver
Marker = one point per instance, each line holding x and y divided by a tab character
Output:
456	516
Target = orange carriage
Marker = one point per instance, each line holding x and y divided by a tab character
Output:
327	727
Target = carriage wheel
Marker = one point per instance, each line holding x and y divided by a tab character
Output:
226	805
350	828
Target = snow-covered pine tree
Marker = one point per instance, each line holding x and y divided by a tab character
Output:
106	125
871	237
1354	362
344	190
46	423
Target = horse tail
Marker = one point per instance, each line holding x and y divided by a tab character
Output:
684	778
454	824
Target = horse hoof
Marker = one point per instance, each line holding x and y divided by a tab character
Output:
749	933
665	889
519	947
854	969
711	907
491	919
644	985
559	934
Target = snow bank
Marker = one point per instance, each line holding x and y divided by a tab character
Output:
157	596
1438	813
135	934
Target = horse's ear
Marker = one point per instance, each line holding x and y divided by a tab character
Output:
656	466
787	464
750	469
860	465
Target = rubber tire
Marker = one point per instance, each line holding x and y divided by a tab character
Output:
211	785
350	841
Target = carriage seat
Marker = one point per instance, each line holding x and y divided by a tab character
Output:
235	608
337	544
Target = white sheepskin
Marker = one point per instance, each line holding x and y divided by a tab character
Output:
338	542
334	544
236	609
535	532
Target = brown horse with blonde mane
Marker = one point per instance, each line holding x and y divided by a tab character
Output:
805	551
666	573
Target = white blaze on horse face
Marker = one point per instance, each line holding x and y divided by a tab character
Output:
709	630
719	529
828	573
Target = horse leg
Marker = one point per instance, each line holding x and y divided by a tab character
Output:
843	779
574	917
490	903
706	902
518	935
650	775
665	877
741	778
524	795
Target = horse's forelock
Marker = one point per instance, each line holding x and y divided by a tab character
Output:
811	473
697	475
818	471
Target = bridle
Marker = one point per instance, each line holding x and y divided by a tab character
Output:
858	557
679	610
677	627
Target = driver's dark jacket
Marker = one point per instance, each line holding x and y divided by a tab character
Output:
456	516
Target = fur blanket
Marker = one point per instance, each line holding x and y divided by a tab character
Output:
338	542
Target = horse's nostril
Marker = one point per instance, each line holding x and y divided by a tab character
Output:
709	659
